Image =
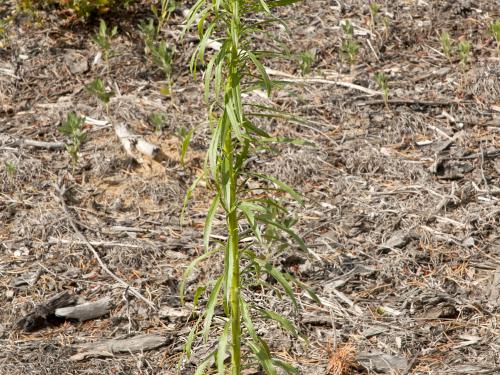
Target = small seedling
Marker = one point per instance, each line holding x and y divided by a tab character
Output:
103	39
10	168
162	56
184	136
446	43
494	29
463	52
348	28
72	127
148	32
163	13
307	60
387	23
96	87
350	49
381	80
158	121
374	10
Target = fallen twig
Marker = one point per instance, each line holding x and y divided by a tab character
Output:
61	190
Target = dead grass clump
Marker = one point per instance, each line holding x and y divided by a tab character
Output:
341	361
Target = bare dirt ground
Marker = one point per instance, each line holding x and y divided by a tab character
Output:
402	203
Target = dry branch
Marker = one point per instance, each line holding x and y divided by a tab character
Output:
37	318
108	348
85	311
135	145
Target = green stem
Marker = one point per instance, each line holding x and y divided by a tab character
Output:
232	218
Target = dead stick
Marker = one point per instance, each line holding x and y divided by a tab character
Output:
60	190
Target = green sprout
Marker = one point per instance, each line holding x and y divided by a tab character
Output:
464	51
11	169
374	10
97	88
158	120
381	80
350	49
162	56
103	39
348	28
163	13
148	32
72	127
494	29
446	43
307	60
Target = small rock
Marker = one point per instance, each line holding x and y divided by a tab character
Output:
76	62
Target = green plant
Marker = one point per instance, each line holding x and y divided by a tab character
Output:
11	169
463	52
232	70
374	10
148	32
306	61
158	120
185	137
163	12
446	43
97	88
348	29
381	80
72	127
349	50
162	56
103	39
494	29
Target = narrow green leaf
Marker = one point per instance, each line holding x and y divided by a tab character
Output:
210	308
189	269
281	279
262	352
289	231
222	348
283	322
285	366
283	186
185	145
209	220
262	71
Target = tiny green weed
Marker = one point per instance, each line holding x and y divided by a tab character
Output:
446	43
374	11
11	169
163	12
72	127
349	50
148	31
162	56
307	60
97	88
494	29
464	48
382	83
103	39
158	120
348	28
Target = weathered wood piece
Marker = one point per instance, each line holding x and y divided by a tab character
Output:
85	311
135	145
37	318
109	348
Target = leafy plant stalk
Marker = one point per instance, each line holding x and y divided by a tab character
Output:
231	71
